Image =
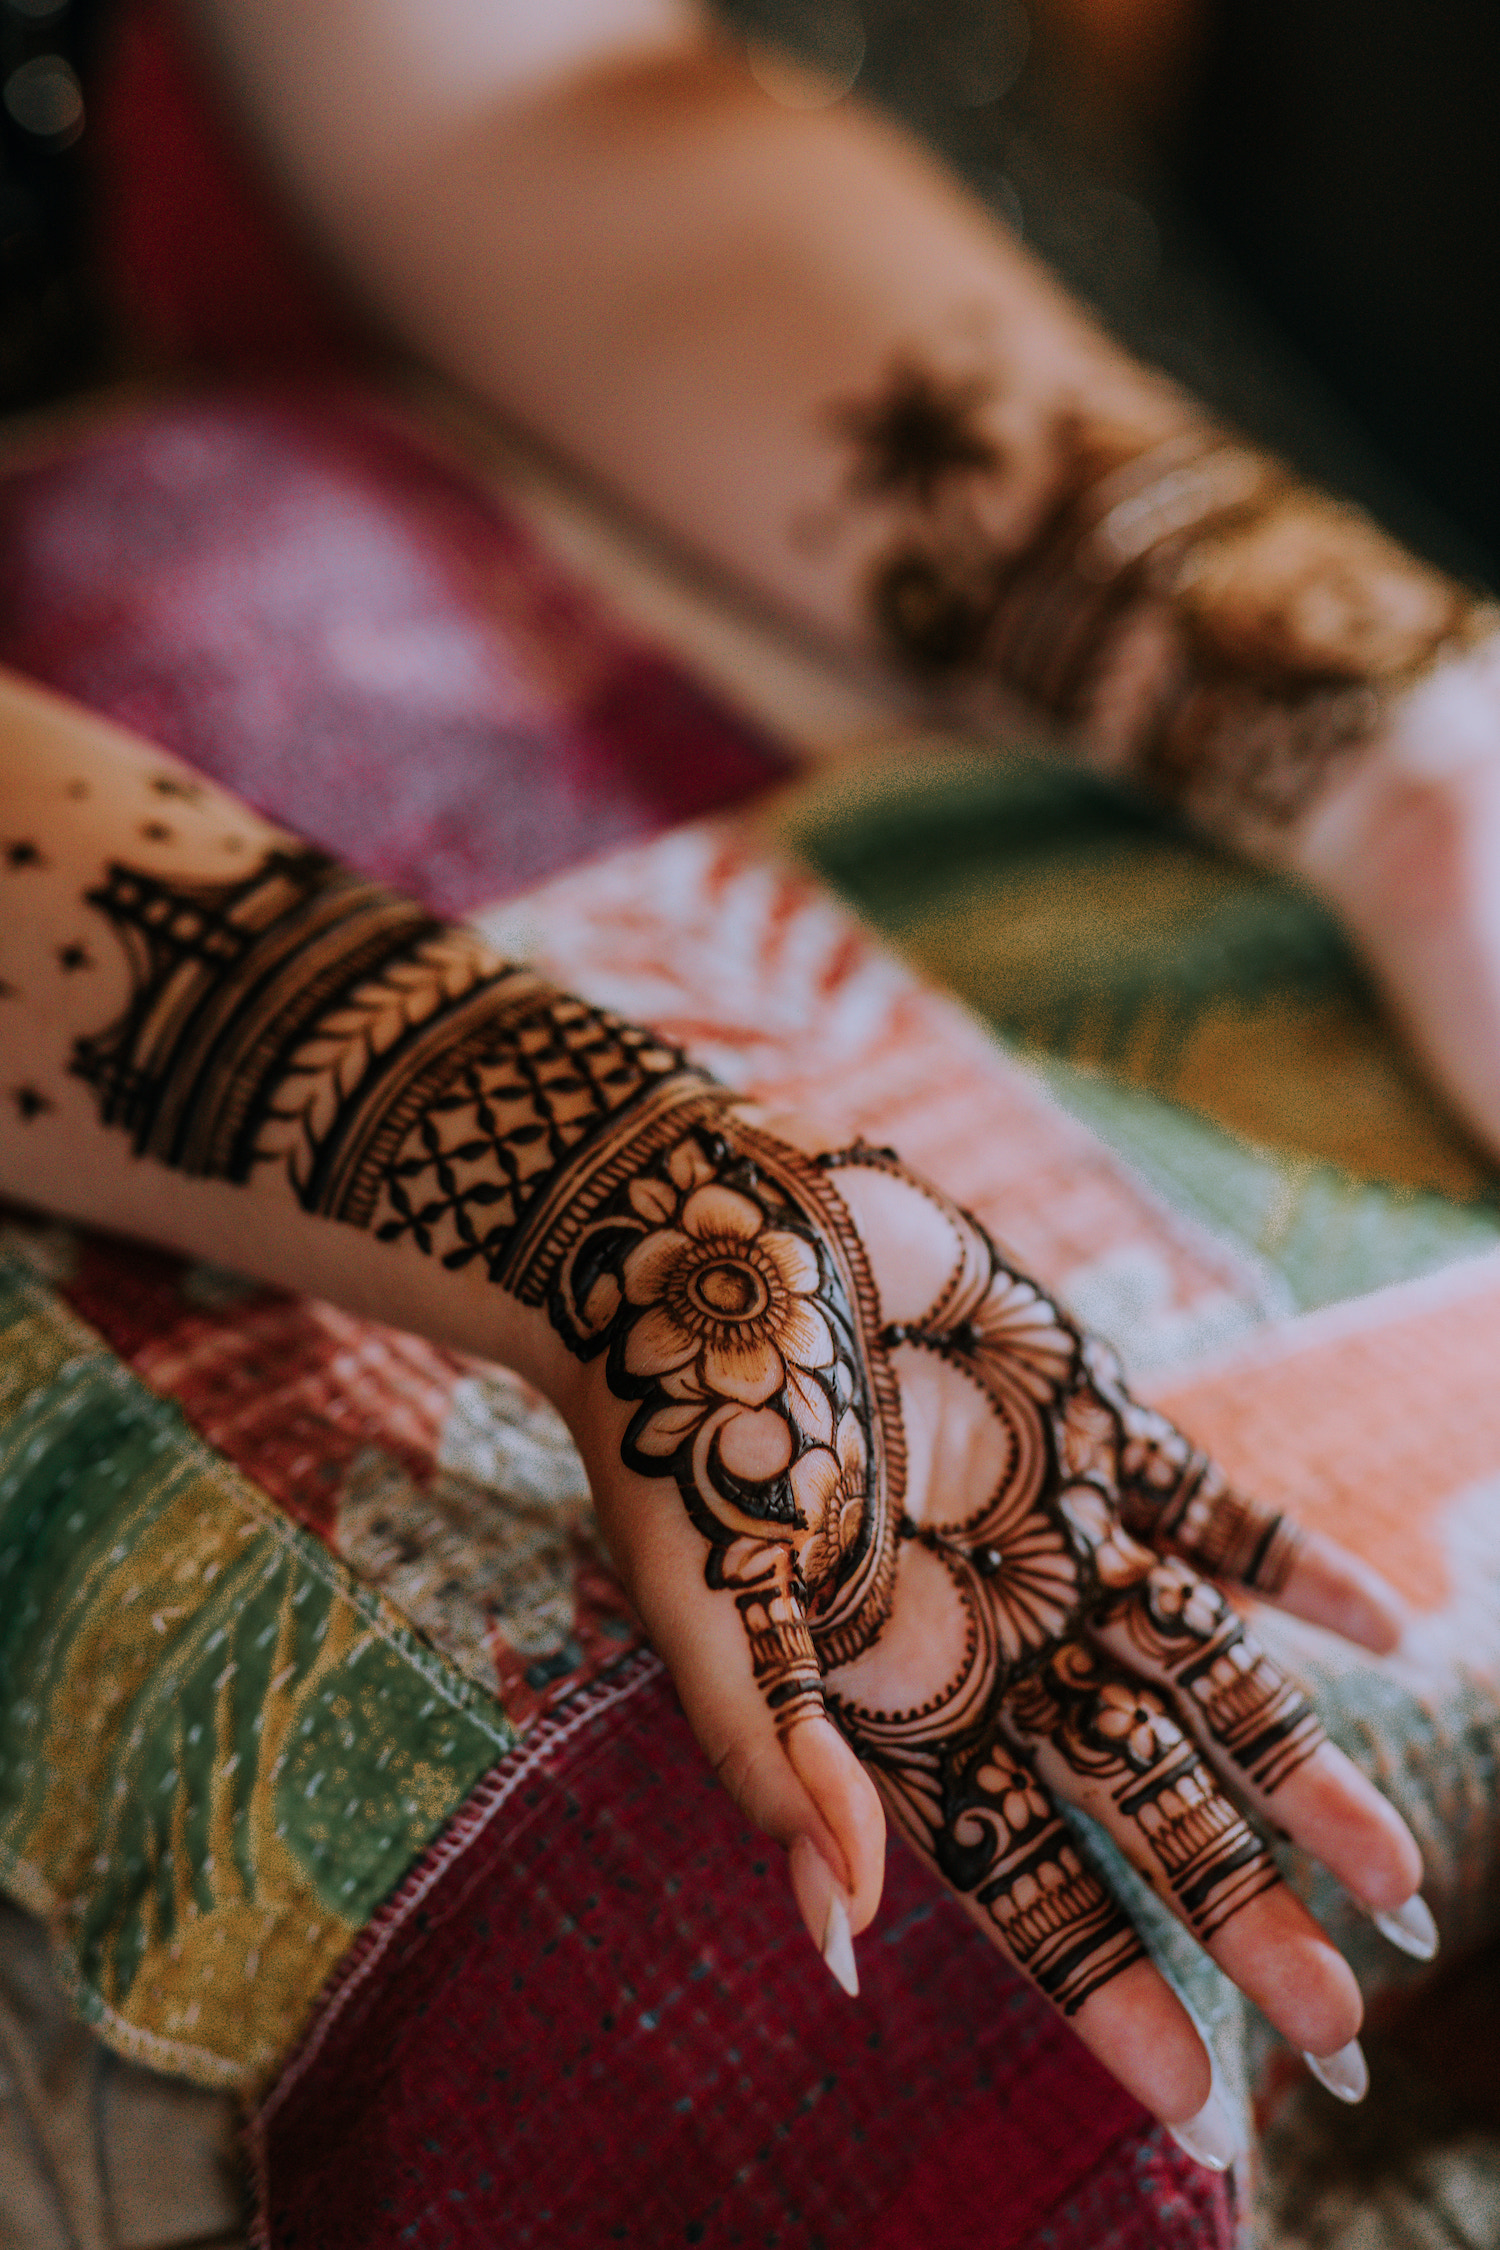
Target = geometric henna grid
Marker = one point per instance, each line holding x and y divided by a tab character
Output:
403	1079
1253	689
400	1074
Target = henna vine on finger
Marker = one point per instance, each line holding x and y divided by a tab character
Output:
1122	1740
1187	1633
1172	1495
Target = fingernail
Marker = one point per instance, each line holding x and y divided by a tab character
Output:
824	1908
1210	2138
1410	1927
1346	2074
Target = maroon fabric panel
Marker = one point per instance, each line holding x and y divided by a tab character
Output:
601	2022
305	601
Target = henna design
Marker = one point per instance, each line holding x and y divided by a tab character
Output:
402	1076
74	957
1173	1495
31	1103
301	1023
406	1081
975	1810
1210	622
21	854
916	435
732	1297
1110	1730
1186	1632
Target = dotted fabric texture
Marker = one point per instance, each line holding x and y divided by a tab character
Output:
602	2023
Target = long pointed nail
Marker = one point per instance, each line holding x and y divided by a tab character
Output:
1345	2074
1210	2138
1410	1927
824	1907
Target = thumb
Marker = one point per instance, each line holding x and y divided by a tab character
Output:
800	1783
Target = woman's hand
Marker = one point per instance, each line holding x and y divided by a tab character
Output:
934	1518
895	1526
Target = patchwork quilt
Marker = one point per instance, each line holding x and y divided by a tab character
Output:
330	1750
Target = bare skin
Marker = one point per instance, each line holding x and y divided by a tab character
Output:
905	1542
624	244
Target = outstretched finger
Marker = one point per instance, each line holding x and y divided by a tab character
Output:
1117	1747
987	1826
1226	1534
1259	1729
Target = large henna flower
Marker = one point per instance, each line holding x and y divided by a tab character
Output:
727	1313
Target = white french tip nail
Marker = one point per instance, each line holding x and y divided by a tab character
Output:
838	1946
1410	1927
1345	2074
1210	2138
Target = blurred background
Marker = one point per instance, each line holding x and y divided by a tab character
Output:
1291	207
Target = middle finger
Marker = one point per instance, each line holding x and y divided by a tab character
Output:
1259	1730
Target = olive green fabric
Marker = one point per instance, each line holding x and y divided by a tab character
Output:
1207	1020
218	1753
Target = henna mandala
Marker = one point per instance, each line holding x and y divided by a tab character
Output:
1053	1593
397	1076
1213	624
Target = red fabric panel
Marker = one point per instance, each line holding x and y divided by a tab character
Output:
307	602
197	255
594	2018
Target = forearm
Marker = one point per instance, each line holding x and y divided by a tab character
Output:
670	277
793	342
213	1037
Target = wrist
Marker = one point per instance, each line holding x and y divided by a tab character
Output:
1199	619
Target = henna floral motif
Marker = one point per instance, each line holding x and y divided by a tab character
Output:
713	1281
299	1023
1210	623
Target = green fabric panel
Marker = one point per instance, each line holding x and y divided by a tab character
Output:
1207	1020
1326	1234
215	1746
